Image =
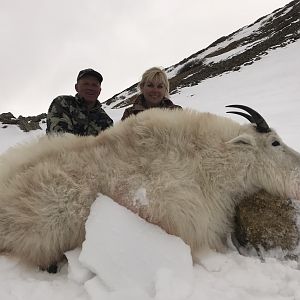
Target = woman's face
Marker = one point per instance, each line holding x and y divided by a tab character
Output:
154	92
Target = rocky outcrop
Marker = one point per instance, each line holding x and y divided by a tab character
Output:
24	123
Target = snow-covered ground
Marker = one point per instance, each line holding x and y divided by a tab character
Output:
126	258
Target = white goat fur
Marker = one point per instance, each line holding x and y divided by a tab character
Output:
194	167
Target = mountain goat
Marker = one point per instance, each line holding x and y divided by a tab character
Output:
193	166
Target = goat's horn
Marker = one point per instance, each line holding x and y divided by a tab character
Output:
248	117
254	117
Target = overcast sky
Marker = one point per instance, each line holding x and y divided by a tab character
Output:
44	44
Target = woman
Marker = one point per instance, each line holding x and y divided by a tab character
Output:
154	92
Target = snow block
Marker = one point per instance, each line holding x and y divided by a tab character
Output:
76	271
128	253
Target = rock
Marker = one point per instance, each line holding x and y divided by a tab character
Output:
25	123
8	118
268	221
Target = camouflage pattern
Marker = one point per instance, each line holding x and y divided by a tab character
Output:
140	105
70	114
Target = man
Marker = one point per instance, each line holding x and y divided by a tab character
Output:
82	114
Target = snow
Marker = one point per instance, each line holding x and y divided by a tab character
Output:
124	257
140	197
232	53
132	254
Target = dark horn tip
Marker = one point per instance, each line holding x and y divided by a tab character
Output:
236	106
253	117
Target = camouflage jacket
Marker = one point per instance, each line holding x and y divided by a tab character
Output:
70	114
141	105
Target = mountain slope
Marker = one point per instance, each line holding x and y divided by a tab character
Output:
239	49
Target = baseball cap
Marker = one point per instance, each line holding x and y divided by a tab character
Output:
91	72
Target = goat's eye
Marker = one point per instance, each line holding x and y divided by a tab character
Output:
275	143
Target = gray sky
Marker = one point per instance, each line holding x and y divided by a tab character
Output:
44	44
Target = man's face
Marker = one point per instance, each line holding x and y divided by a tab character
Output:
88	88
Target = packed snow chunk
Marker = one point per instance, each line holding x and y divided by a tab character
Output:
126	252
76	271
212	261
96	290
168	287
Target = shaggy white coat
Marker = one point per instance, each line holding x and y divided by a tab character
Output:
192	168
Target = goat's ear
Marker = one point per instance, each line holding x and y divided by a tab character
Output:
243	139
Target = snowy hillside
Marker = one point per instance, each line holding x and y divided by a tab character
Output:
231	53
125	258
136	260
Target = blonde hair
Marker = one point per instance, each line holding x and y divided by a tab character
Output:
155	74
